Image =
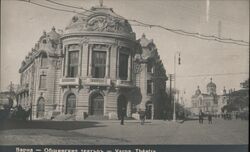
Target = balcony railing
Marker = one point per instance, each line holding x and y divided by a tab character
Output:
124	83
69	81
98	82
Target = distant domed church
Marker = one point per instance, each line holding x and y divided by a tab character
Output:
93	69
206	102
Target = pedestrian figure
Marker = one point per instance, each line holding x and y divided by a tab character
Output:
142	116
209	118
201	117
164	115
123	112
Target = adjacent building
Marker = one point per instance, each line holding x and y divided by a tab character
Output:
94	68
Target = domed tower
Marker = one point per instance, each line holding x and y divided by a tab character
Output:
49	42
198	91
211	88
98	35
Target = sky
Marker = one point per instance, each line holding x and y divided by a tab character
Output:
22	24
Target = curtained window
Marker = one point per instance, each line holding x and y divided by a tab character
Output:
123	69
73	63
98	64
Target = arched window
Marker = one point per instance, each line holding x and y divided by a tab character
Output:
149	110
44	41
44	60
97	104
40	107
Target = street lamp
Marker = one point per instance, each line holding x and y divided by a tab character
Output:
179	62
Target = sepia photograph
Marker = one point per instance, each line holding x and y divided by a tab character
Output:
126	75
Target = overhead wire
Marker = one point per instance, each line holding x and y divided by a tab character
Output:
53	8
142	24
71	6
215	74
145	24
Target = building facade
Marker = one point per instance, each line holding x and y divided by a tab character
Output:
94	68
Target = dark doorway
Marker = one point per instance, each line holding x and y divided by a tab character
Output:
122	102
70	104
149	109
97	104
40	108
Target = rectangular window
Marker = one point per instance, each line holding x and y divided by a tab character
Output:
98	64
42	82
149	67
123	69
149	87
73	63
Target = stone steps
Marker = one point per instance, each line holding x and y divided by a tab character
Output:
64	117
96	117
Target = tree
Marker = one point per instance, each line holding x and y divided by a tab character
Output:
238	100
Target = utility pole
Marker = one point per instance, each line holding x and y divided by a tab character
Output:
170	91
179	62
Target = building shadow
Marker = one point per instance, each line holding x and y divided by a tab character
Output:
40	124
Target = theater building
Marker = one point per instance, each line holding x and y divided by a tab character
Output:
94	68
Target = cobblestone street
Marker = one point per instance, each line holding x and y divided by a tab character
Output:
111	132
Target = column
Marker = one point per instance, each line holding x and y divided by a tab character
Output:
66	61
117	63
90	61
84	56
152	113
79	73
107	64
129	67
129	111
105	112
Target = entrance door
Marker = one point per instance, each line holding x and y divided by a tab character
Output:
40	108
70	104
97	105
149	111
121	103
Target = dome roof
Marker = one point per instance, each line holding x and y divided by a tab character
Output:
53	34
99	19
211	84
151	52
198	91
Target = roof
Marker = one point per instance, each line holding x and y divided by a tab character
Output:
144	41
98	19
53	34
211	84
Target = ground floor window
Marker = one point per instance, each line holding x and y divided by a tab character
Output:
97	104
70	104
40	108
